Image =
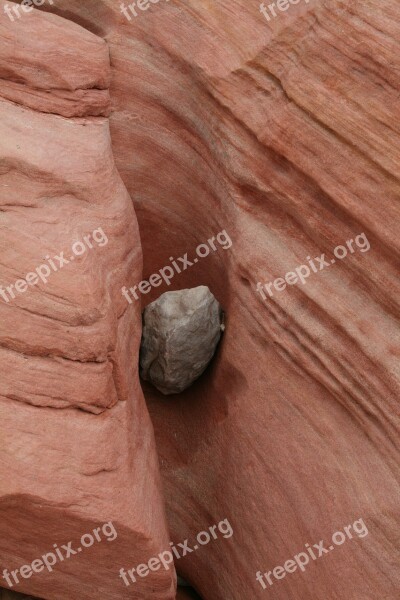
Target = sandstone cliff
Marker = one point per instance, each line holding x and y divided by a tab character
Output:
196	117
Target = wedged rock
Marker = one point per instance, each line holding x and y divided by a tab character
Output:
181	330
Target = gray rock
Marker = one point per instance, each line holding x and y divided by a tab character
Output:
181	331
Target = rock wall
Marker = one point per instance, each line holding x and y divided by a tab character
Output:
77	445
284	134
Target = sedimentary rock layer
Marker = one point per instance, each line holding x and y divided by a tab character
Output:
77	447
284	133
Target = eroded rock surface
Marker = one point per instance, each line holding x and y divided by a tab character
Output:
76	444
285	133
181	330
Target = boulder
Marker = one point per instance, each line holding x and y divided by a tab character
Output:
181	331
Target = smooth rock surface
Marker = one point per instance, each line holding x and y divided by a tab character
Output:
286	134
181	331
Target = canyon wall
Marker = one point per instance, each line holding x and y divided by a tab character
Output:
283	134
77	445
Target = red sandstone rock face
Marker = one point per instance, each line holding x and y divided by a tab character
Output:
77	448
285	135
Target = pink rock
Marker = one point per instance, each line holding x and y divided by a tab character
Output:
77	447
284	134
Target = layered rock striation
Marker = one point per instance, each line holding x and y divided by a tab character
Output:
77	446
284	133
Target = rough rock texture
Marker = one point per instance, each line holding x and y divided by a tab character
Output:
285	134
76	444
181	331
